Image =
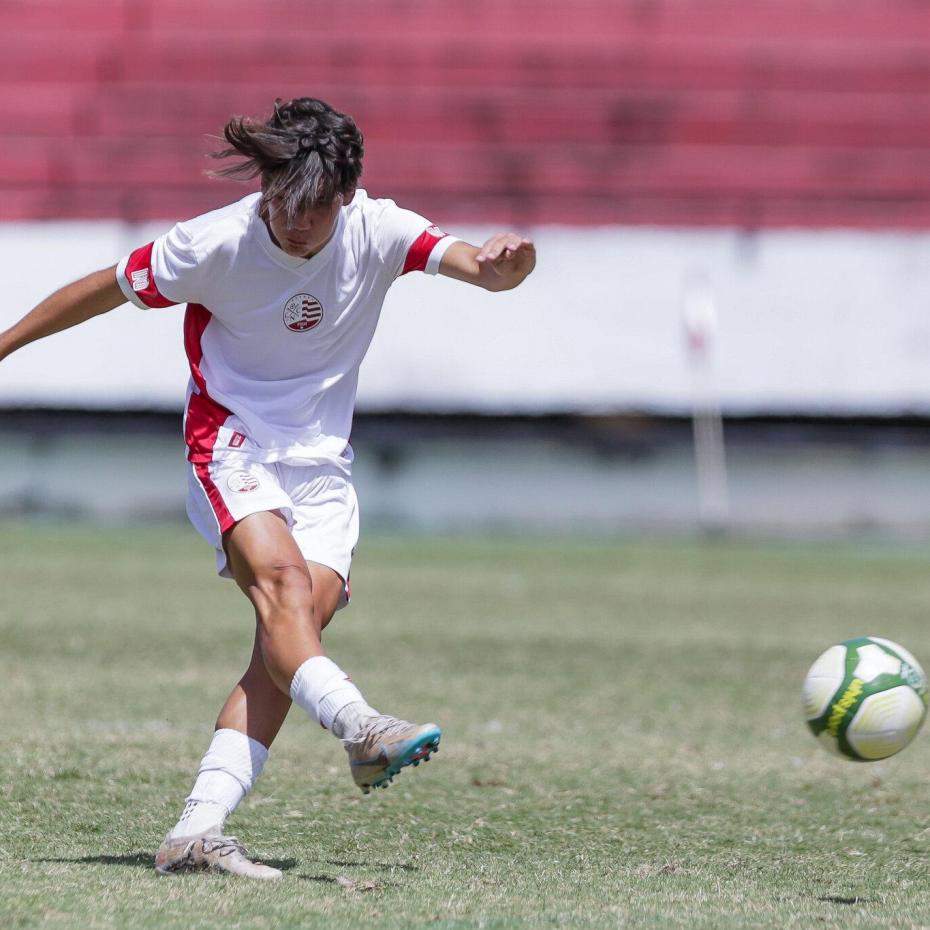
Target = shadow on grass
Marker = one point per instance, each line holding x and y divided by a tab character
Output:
350	884
381	866
136	859
285	865
323	879
146	860
838	899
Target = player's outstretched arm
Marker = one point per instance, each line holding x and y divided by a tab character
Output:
499	265
68	306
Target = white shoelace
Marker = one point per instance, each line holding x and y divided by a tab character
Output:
378	727
225	845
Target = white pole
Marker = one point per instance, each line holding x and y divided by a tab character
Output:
699	319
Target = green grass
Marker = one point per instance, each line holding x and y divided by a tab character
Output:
622	738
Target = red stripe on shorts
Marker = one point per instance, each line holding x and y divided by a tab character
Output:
224	518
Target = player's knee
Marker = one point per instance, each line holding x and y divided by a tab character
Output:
283	594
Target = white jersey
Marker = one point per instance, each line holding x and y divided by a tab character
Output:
275	342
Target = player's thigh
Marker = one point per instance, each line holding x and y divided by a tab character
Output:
260	549
325	522
227	490
262	545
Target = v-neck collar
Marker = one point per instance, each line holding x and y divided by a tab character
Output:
302	266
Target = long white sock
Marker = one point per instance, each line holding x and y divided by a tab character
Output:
226	775
325	692
351	718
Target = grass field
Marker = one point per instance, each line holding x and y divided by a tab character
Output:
622	738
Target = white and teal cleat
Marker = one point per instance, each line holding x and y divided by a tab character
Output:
385	745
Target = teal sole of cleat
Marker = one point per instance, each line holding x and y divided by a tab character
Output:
419	751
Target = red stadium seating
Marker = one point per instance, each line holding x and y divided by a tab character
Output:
680	112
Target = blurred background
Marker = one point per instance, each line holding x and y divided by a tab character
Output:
728	328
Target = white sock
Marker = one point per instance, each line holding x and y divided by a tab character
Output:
226	775
325	692
351	718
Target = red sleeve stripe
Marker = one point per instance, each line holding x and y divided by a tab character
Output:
419	253
142	280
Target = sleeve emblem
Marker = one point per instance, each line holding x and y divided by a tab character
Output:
140	279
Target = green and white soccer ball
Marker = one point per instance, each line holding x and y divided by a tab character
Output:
865	698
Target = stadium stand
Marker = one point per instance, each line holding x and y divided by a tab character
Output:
671	112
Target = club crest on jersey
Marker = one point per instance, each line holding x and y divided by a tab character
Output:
242	482
302	312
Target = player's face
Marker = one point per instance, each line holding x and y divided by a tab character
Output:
310	230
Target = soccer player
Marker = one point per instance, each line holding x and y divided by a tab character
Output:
283	291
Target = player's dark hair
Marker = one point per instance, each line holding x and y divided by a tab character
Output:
306	153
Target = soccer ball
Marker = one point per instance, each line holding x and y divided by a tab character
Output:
865	698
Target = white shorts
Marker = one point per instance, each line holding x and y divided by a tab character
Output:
318	502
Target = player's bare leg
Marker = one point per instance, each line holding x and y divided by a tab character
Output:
256	706
247	725
290	604
294	601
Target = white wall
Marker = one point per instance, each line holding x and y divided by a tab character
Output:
808	322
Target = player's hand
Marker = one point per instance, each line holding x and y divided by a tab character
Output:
508	255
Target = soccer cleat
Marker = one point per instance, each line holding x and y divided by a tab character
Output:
211	852
385	745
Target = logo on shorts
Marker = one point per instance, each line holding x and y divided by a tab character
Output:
436	231
242	481
302	312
